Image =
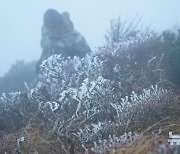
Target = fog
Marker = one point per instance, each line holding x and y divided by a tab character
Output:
21	21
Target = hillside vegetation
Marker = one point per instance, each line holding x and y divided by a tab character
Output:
119	99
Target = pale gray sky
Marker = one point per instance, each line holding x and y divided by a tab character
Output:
21	20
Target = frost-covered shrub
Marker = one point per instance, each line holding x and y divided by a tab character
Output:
113	142
14	111
94	97
134	61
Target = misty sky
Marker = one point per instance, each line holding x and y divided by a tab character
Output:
21	21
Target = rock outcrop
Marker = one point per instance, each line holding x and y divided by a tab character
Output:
60	37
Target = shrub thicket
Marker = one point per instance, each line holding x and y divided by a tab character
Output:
19	73
171	50
83	103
